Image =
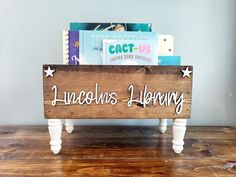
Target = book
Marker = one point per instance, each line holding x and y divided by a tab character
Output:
111	26
166	51
91	43
130	52
71	47
71	37
169	60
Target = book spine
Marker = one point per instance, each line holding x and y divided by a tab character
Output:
169	60
65	38
81	46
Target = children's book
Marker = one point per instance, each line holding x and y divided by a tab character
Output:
166	51
71	37
91	43
111	26
71	47
169	60
130	52
166	45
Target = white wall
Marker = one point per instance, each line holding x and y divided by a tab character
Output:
205	37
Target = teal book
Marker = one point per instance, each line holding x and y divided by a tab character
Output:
91	43
169	60
76	26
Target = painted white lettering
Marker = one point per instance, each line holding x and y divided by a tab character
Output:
146	97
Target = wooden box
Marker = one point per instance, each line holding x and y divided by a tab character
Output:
117	92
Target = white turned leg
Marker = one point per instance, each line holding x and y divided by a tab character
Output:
69	125
55	129
179	127
162	125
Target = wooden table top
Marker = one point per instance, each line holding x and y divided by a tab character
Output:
117	151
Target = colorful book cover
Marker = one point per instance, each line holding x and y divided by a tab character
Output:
71	47
71	37
111	26
130	52
91	43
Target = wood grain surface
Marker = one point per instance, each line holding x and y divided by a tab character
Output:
69	78
117	151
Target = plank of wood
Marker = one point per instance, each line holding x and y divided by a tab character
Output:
121	168
117	151
163	79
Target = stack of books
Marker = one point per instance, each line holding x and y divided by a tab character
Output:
117	44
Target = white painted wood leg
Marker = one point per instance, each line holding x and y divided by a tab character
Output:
55	129
179	127
69	125
162	125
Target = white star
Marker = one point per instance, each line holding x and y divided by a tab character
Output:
186	72
49	72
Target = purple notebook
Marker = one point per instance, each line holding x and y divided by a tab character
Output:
71	47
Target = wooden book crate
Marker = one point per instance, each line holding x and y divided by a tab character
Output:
117	92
